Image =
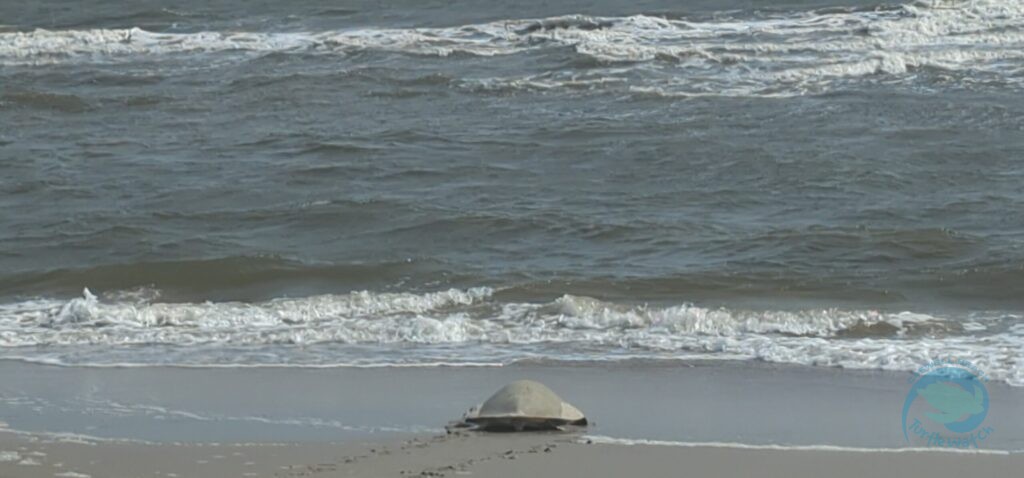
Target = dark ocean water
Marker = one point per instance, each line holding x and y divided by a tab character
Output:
319	182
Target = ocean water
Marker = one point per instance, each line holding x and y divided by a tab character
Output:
835	183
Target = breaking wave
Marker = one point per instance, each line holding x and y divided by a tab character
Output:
473	327
763	54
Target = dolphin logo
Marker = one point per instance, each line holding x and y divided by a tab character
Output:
951	402
957	400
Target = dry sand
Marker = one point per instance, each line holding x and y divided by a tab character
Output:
472	454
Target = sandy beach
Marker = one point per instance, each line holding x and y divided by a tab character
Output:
697	402
679	420
474	454
301	238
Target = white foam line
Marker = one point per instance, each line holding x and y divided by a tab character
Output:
89	332
305	422
82	439
69	437
72	474
58	363
606	440
971	37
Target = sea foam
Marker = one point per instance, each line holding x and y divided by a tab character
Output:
742	54
472	328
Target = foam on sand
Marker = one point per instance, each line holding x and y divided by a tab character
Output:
605	440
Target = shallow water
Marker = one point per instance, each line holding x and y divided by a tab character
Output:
761	180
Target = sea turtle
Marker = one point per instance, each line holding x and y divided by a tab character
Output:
523	405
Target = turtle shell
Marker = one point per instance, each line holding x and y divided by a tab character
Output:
524	405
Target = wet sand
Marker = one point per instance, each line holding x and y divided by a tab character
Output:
279	422
730	402
471	454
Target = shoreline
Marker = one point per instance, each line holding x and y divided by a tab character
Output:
701	419
479	454
698	402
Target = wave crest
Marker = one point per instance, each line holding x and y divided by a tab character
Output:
472	326
763	54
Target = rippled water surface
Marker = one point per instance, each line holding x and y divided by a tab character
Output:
833	183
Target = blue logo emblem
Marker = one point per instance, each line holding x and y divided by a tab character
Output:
946	406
